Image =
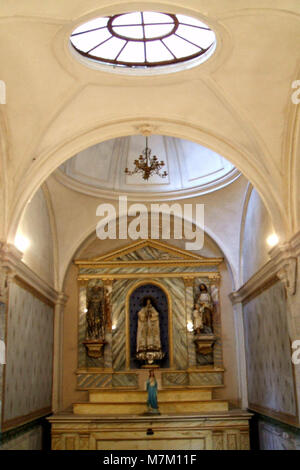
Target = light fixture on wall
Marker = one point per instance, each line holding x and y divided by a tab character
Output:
272	239
21	242
190	326
2	352
147	165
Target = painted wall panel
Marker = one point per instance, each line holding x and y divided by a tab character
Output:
268	352
28	374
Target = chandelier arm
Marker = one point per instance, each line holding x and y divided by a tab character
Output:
147	165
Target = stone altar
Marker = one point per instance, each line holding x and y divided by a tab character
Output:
113	418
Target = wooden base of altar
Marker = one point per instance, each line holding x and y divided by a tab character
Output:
115	419
185	431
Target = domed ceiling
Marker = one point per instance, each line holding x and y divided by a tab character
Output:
192	169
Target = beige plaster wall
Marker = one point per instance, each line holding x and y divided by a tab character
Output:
35	226
257	227
70	338
230	391
94	247
76	219
222	103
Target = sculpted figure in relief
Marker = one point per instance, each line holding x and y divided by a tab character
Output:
95	313
203	311
148	331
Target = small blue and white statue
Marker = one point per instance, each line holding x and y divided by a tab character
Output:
152	393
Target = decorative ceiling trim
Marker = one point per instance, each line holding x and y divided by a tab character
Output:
11	265
54	156
281	267
152	196
211	275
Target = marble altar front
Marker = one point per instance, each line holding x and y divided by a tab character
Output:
184	309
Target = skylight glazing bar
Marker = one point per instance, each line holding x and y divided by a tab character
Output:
187	40
100	44
88	31
138	30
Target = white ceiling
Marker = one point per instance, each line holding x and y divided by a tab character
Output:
192	168
238	103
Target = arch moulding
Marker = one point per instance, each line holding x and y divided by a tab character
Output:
53	158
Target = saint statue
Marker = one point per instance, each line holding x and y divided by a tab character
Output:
152	393
95	314
148	344
203	311
148	332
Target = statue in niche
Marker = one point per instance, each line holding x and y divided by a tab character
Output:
203	311
203	326
148	344
95	319
95	313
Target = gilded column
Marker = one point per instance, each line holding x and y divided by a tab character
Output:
218	353
240	351
82	307
108	287
189	305
58	352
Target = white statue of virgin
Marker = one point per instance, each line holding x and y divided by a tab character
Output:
148	331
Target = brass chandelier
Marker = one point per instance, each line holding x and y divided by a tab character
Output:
147	165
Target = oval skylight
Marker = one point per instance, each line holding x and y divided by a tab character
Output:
143	39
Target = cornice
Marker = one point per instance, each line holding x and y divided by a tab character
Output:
11	265
282	266
9	255
256	283
61	299
84	278
295	243
178	257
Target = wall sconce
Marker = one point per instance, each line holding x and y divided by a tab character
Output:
2	352
272	239
21	242
190	326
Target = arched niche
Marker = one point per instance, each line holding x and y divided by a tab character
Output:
161	300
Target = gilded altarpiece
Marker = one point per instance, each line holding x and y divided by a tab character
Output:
150	306
178	275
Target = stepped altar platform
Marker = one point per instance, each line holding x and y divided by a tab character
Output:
117	419
159	308
111	402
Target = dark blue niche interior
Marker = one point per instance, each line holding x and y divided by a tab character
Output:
160	302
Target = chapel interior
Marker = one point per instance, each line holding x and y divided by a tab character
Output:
90	322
